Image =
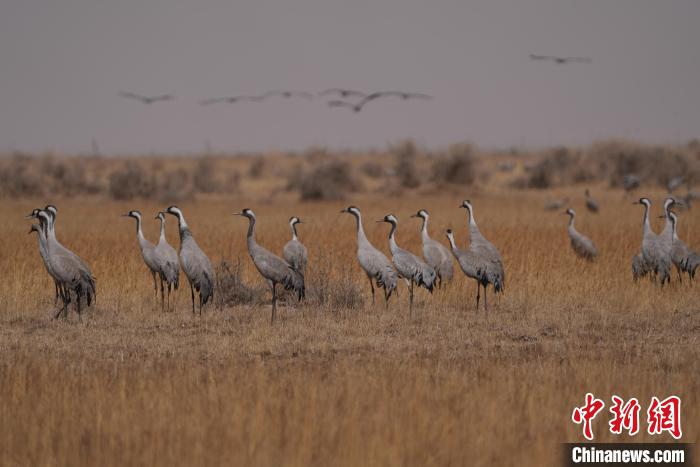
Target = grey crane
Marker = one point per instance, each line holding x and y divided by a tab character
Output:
630	182
665	238
344	93
675	183
591	204
582	245
435	253
194	262
43	252
681	255
639	267
469	264
409	266
294	251
67	268
375	264
493	264
560	60
274	269
148	252
88	289
168	260
148	100
652	251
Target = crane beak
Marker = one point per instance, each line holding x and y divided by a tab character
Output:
125	215
29	216
414	215
237	213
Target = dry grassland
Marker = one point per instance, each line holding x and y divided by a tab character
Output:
328	384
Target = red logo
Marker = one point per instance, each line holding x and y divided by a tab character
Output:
665	416
587	413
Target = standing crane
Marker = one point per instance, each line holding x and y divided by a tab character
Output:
435	253
274	269
409	267
375	264
194	262
652	251
490	258
294	251
168	261
148	252
582	245
470	263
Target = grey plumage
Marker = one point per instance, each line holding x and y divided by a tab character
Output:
273	268
682	257
148	251
375	264
43	252
591	204
630	182
195	264
556	204
469	262
639	267
436	255
167	260
582	245
67	269
658	263
409	267
294	251
491	263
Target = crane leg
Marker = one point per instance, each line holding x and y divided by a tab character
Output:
77	306
192	290
162	294
410	299
168	308
155	286
486	305
478	296
55	300
200	304
371	284
274	302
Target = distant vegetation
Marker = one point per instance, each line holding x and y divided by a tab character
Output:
319	174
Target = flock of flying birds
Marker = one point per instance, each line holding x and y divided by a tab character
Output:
480	261
351	99
336	97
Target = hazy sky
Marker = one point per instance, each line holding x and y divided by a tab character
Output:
62	63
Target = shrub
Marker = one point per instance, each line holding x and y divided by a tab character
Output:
131	182
174	187
456	166
204	178
257	168
328	181
405	154
230	290
372	169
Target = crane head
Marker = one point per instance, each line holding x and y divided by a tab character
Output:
570	212
668	202
174	210
466	204
33	215
295	220
247	212
352	210
33	228
423	214
160	215
644	201
390	218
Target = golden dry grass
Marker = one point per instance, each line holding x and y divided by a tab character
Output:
131	385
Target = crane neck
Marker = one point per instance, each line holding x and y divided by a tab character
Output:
471	221
139	232
162	229
293	225
392	237
645	222
360	230
452	242
251	233
424	229
571	220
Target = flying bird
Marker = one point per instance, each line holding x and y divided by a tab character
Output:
231	100
287	94
339	103
378	95
344	93
560	60
148	100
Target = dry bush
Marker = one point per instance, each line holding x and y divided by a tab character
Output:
174	187
20	177
372	169
405	154
131	181
327	290
230	289
328	181
204	178
257	167
456	166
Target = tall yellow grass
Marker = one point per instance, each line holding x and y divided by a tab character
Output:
324	386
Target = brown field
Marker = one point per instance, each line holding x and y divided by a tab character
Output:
330	384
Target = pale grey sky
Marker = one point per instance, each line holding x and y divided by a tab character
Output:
63	62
